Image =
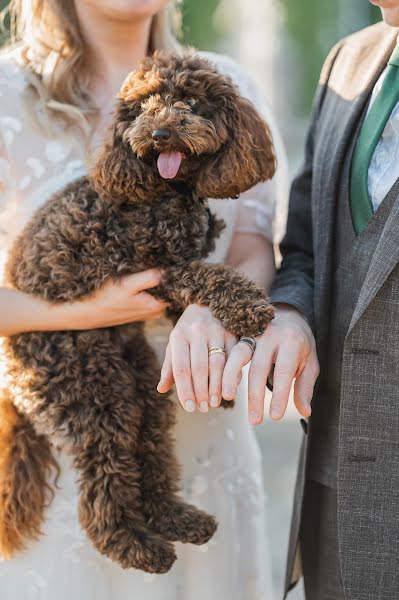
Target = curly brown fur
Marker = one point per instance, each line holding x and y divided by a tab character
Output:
26	463
93	392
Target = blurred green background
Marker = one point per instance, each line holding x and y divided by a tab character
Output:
312	27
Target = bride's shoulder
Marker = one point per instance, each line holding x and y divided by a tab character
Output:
13	84
13	80
222	62
229	66
12	72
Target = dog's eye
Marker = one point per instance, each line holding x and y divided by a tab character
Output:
191	102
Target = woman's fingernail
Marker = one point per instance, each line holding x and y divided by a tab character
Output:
228	390
204	406
214	401
275	412
253	416
190	406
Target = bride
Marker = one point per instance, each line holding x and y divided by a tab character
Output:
57	89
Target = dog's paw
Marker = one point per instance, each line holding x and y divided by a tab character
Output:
138	549
181	522
258	318
247	319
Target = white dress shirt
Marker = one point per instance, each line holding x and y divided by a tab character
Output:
384	166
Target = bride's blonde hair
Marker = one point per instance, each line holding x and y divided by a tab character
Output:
53	52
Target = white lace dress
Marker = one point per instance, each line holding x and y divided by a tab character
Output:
222	469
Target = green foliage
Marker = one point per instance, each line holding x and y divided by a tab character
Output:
198	26
3	33
314	27
5	25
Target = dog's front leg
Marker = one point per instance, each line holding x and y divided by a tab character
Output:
240	305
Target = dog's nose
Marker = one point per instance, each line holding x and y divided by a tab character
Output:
161	135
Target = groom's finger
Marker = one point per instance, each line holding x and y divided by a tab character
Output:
303	389
258	373
286	367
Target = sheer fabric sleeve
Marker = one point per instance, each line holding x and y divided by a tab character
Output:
4	172
4	194
263	208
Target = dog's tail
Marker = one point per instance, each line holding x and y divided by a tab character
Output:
26	462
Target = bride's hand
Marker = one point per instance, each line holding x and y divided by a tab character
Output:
117	303
198	377
113	304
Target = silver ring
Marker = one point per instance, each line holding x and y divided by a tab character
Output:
249	342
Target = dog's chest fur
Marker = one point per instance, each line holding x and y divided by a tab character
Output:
79	239
170	231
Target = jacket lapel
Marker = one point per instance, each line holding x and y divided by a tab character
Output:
385	259
349	88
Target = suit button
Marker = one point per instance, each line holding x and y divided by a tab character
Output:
365	352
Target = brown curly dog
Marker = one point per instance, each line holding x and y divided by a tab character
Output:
181	133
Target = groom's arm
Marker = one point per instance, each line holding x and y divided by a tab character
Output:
294	282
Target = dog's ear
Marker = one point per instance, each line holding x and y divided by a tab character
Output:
245	159
115	168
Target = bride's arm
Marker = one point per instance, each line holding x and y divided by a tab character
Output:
252	249
114	304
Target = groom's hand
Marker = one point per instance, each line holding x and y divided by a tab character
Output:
289	345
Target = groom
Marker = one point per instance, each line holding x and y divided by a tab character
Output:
340	278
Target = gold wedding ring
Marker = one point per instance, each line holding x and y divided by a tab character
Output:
216	350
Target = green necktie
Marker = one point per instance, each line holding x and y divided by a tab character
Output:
370	134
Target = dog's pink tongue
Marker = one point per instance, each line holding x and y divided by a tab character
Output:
169	164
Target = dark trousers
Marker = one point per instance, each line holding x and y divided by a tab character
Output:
319	544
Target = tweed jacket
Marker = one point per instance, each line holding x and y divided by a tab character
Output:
368	452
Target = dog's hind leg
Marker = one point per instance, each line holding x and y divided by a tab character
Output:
105	423
166	512
79	390
26	463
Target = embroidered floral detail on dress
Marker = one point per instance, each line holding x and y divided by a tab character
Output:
4	175
56	151
35	586
9	126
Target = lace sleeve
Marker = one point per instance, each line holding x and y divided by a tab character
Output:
262	209
4	175
6	136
